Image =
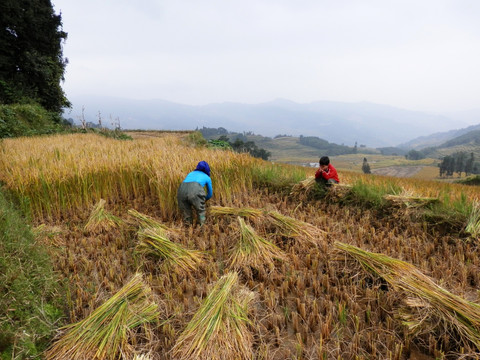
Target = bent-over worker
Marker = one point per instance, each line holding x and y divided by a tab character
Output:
191	193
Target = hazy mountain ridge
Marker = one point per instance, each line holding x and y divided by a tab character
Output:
470	138
370	124
439	139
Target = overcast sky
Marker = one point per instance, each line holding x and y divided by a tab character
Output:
414	54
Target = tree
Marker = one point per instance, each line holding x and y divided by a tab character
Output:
31	55
469	165
460	158
366	167
414	155
447	166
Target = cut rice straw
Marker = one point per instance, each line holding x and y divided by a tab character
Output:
473	222
101	220
410	201
146	221
291	227
245	212
456	312
253	250
219	329
107	333
154	241
288	226
303	187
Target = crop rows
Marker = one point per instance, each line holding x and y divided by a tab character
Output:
297	299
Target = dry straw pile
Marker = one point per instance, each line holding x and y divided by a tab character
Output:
454	312
253	250
219	329
286	225
101	220
155	242
110	331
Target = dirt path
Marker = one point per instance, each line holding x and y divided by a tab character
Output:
398	171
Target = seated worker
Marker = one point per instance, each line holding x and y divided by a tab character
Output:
191	193
326	174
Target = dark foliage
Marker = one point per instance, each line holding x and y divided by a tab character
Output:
457	163
327	148
31	56
366	167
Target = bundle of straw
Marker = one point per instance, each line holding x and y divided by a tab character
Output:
288	226
146	221
108	332
101	220
303	187
473	222
154	241
219	329
454	311
142	357
410	201
291	227
254	250
245	212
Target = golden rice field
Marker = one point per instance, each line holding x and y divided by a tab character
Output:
271	275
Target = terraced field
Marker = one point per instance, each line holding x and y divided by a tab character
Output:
269	276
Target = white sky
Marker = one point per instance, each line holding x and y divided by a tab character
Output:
414	54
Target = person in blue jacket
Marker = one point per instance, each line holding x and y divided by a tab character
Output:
191	193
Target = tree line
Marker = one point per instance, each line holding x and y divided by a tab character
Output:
457	163
222	138
326	147
241	146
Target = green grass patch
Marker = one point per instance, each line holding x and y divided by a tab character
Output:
369	195
28	120
29	301
453	214
277	177
471	180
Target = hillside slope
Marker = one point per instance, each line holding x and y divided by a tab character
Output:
437	139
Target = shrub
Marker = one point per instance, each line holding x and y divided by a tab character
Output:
27	120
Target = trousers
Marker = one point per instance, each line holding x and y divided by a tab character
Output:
191	196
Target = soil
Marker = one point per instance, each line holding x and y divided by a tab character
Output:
398	171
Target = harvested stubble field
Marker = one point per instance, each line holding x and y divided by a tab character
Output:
306	300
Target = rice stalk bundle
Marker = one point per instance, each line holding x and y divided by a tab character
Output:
410	201
146	221
245	212
454	311
107	333
142	357
154	241
101	220
253	250
339	190
291	227
473	222
303	187
219	329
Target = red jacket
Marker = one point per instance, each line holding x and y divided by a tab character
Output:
330	173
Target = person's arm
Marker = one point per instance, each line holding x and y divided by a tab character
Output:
318	173
209	189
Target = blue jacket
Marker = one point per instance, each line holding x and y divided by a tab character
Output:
201	178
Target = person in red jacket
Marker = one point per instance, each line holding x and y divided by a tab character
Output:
326	174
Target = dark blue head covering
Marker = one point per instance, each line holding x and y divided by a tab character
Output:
203	166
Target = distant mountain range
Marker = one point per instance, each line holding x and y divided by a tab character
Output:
443	139
369	124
